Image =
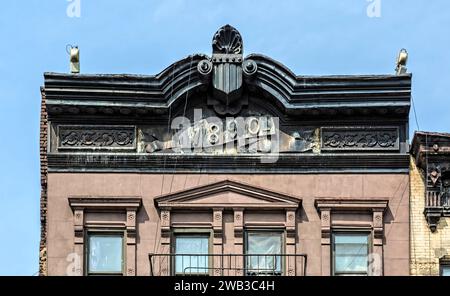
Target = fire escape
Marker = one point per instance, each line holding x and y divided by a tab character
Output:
431	152
228	264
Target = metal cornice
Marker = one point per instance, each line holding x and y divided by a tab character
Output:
291	91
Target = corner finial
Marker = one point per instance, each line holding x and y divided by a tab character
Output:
74	54
227	40
402	59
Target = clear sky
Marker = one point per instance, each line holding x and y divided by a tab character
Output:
311	37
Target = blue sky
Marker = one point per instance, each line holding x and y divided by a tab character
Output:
311	37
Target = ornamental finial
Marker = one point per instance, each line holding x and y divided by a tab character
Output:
227	40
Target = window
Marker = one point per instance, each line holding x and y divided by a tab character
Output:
261	250
350	253
445	266
191	254
105	254
445	270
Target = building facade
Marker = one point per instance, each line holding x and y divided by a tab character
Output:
225	165
430	204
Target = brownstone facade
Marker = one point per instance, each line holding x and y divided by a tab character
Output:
254	169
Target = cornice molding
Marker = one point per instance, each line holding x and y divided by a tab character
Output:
105	203
351	204
185	163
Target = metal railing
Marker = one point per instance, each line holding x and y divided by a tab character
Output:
228	264
437	199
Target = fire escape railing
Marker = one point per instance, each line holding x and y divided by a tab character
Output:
437	204
437	199
228	264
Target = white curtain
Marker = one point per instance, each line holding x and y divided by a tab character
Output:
105	254
262	249
190	262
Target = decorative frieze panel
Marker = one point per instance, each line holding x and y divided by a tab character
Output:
231	136
96	137
359	138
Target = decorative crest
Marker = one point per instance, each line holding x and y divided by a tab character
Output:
227	40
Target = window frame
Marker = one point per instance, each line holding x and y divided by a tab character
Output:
445	189
280	232
105	233
187	232
367	233
444	263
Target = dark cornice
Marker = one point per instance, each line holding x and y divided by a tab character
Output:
124	90
185	163
434	144
330	91
125	94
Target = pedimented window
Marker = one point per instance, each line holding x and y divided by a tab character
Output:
247	223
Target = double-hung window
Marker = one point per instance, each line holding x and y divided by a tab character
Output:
263	250
191	254
445	268
350	253
105	254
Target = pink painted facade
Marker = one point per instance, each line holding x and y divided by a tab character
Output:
264	202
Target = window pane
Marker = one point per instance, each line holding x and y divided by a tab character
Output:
264	246
191	262
105	253
446	271
350	253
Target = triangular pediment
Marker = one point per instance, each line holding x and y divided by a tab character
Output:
227	194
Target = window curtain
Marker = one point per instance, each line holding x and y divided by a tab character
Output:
261	251
105	254
190	262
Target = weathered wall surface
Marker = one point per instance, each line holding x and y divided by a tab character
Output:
394	187
426	246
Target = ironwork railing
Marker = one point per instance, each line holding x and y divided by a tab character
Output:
437	199
228	264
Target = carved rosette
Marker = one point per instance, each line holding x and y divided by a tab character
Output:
79	226
217	226
131	226
238	223
378	227
165	226
290	227
325	215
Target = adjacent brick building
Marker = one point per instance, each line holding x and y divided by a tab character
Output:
430	204
225	165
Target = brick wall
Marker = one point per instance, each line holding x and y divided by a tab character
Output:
426	247
43	200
